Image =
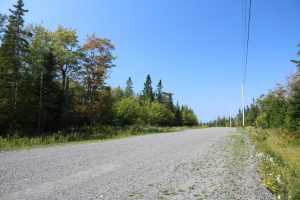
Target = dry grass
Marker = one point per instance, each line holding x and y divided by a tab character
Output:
279	155
85	134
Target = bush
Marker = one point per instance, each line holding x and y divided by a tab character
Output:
155	113
127	111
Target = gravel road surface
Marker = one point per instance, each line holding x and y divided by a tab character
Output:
193	164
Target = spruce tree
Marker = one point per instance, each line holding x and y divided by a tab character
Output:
147	93
52	96
3	19
12	51
159	94
129	88
178	116
293	111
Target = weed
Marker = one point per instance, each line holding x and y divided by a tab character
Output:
279	156
86	133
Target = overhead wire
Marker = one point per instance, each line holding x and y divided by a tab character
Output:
247	42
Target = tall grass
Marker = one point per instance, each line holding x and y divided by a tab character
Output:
279	155
82	134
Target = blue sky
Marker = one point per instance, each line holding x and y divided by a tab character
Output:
194	46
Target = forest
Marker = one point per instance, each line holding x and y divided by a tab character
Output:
50	83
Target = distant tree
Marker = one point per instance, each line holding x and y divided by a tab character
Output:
129	88
159	92
147	93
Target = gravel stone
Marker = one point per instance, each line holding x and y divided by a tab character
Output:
193	164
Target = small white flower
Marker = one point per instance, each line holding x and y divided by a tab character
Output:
278	179
278	197
260	154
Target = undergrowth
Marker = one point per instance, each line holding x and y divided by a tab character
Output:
82	134
279	156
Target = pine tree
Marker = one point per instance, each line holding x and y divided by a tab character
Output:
129	88
147	93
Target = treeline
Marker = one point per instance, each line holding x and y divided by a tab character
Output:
222	122
48	82
280	108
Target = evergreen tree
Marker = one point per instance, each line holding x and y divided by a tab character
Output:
3	19
129	88
51	103
147	93
159	93
12	52
293	111
178	116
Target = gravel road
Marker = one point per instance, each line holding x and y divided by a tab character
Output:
193	164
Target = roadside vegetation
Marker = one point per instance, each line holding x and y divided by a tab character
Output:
53	89
274	119
83	134
279	156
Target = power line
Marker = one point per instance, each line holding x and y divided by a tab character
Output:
247	46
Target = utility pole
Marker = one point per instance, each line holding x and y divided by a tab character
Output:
243	106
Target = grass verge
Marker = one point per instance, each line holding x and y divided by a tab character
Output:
279	156
88	133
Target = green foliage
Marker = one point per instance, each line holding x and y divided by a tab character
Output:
129	88
3	19
127	111
295	190
155	113
147	93
188	116
279	162
261	120
159	92
48	83
81	134
293	111
13	49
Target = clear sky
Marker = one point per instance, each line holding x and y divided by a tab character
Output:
194	46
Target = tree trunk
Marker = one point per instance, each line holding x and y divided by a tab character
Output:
63	79
41	104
